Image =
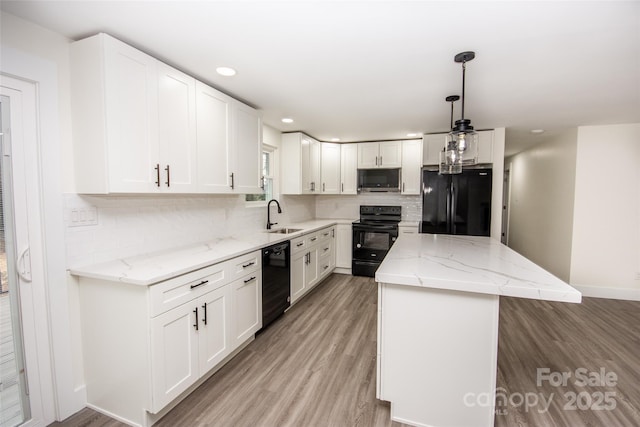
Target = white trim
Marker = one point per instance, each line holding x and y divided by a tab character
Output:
67	398
610	293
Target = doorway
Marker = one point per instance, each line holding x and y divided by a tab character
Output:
26	393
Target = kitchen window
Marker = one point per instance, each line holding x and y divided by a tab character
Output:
268	178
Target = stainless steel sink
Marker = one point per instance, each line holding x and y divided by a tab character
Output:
285	230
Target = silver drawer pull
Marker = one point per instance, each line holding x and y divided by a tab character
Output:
325	267
300	244
204	282
247	265
325	249
313	239
250	279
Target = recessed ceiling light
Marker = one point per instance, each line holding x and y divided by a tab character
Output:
335	139
411	135
226	71
537	131
287	120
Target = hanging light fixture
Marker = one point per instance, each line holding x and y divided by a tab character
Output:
450	162
461	146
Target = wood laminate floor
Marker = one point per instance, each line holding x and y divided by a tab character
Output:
316	365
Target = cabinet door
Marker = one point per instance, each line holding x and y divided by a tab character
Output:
247	146
177	130
174	353
215	329
344	246
390	154
432	146
298	267
247	307
315	161
349	168
312	269
213	139
368	155
306	144
131	94
330	165
411	166
485	146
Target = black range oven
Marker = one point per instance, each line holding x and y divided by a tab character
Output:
373	236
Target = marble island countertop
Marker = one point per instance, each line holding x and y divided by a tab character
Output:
470	264
155	267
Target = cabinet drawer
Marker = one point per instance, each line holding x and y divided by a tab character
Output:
326	234
171	293
313	238
298	244
245	264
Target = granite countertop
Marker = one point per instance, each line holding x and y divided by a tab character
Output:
470	264
155	267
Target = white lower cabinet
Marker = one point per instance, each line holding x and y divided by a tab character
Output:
145	347
247	307
187	342
312	259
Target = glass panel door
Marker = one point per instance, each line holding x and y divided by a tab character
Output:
14	400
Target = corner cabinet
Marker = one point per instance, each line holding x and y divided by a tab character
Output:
146	347
301	164
136	122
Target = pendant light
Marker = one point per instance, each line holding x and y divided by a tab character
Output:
462	137
450	162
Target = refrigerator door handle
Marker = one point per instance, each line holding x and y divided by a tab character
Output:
453	209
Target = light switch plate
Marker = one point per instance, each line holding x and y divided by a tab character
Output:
78	217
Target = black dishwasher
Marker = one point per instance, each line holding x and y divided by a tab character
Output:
276	281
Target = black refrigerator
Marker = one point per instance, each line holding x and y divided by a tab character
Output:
456	204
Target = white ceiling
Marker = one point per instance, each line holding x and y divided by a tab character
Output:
372	70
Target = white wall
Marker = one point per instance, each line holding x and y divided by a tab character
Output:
541	206
606	226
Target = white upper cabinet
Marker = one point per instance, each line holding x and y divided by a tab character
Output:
387	154
433	144
301	164
177	129
330	167
115	117
485	146
349	169
247	149
140	126
214	139
411	166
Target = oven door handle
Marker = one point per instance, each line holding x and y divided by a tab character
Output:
374	227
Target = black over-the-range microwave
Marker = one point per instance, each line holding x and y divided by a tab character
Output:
378	180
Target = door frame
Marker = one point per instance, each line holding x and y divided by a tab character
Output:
62	345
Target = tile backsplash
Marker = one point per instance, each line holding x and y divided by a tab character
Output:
134	225
349	206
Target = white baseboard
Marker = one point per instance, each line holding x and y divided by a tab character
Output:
341	270
611	293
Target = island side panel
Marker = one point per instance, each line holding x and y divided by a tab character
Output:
438	352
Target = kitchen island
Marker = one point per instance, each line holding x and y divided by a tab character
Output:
438	310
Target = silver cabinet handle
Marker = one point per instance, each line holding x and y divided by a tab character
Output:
168	176
232	181
247	265
300	244
250	279
323	187
403	187
342	187
204	282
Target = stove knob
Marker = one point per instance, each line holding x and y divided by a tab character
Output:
358	245
393	239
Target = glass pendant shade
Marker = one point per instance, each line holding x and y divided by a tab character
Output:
467	144
450	159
